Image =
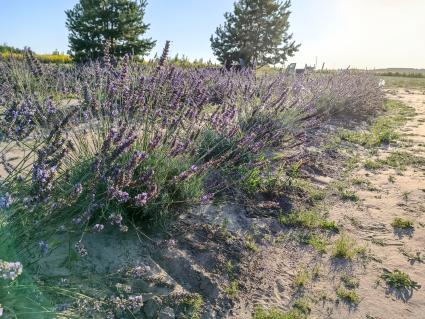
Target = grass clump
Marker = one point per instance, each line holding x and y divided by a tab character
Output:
413	256
348	195
233	289
346	247
261	313
372	165
192	306
302	278
382	131
398	280
308	220
319	243
391	179
312	192
302	306
348	295
301	309
401	160
402	223
250	243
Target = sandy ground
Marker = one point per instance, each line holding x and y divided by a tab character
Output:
368	223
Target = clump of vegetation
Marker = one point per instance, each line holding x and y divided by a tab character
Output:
348	295
346	247
402	223
192	306
350	282
382	131
401	160
302	278
398	280
372	165
301	309
312	192
302	306
413	256
319	243
250	243
308	219
348	195
233	289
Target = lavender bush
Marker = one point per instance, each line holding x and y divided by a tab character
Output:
138	139
119	143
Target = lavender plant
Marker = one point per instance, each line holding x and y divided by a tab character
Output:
119	143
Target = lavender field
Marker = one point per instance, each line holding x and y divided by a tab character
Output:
225	176
107	165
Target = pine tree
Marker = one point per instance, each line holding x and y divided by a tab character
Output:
92	23
256	32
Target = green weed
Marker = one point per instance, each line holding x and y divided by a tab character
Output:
302	306
402	223
307	219
348	195
398	280
302	278
347	295
250	243
372	165
261	313
345	247
317	242
233	289
192	306
401	160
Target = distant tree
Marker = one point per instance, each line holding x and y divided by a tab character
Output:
7	48
257	32
92	23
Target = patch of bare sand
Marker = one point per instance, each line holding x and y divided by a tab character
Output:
396	194
392	193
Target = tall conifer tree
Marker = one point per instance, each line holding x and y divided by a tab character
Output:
92	23
256	32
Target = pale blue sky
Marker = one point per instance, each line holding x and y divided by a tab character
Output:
360	33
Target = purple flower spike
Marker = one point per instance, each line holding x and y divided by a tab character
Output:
206	198
98	227
141	199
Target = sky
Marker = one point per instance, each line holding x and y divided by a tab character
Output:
340	33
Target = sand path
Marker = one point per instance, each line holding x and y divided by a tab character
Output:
393	193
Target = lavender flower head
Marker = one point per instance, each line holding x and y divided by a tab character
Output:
206	198
141	199
115	219
98	227
10	270
5	201
80	249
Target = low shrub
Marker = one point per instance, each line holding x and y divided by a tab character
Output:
346	247
347	295
398	280
402	223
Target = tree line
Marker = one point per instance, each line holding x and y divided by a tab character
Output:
255	34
